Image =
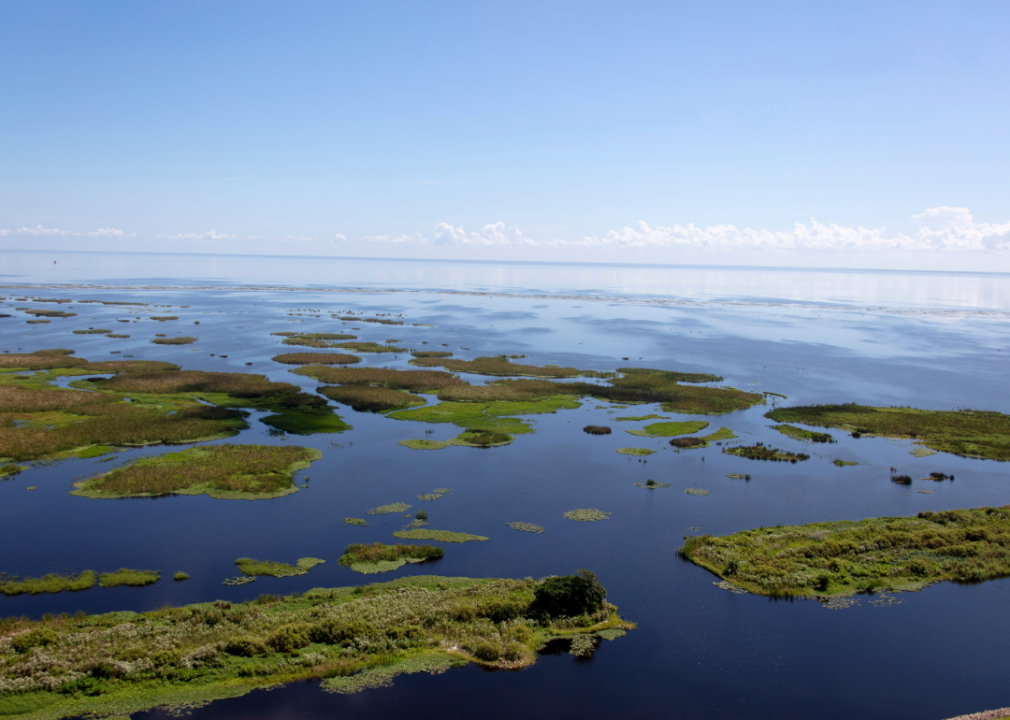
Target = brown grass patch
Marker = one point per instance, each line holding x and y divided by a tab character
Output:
426	381
368	398
185	340
316	359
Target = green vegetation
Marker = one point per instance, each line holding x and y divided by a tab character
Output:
316	359
315	340
526	527
92	452
415	381
253	568
843	463
670	429
164	318
244	472
696	491
596	430
52	583
846	557
481	439
499	365
117	335
424	444
124	663
969	433
921	452
643	417
367	347
180	576
639	452
801	434
92	331
723	433
438	535
390	509
130	578
760	451
376	558
368	398
587	515
430	353
50	313
652	485
10	469
38	322
39	360
184	340
738	476
355	521
468	415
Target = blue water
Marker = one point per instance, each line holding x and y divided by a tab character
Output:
923	339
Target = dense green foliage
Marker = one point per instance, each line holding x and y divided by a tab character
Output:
569	596
222	471
382	558
800	434
370	398
52	583
841	558
971	433
670	429
129	578
253	568
438	535
760	451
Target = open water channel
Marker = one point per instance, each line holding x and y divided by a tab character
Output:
937	341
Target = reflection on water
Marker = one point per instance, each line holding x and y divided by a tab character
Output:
888	289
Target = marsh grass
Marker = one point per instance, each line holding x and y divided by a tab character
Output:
471	416
368	398
253	568
845	557
642	417
180	576
390	509
670	429
316	359
430	353
481	439
184	340
596	430
52	583
164	318
50	313
801	434
587	515
652	485
355	521
11	469
842	463
526	527
378	557
638	452
38	322
500	365
221	471
738	476
760	451
438	535
415	381
92	331
424	444
129	578
696	491
969	433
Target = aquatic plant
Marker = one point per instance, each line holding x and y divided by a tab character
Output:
11	469
389	509
49	313
696	491
652	485
845	557
738	476
801	434
760	451
117	335
92	331
316	359
424	444
225	471
184	340
180	576
642	417
130	578
843	463
500	365
428	496
164	318
669	429
596	430
587	515
468	415
526	527
969	433
368	398
430	353
639	452
52	583
688	442
481	439
439	535
355	521
901	479
378	557
250	567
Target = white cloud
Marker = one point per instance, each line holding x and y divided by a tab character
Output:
40	231
415	239
340	237
4	233
951	228
490	235
109	232
209	235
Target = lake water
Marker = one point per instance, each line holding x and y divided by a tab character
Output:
927	340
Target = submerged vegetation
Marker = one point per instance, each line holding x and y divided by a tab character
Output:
376	558
846	557
126	662
970	433
760	451
246	472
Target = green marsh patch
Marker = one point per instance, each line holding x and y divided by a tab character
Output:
240	472
438	535
760	451
846	557
376	558
844	463
526	527
969	433
369	398
423	444
92	331
670	429
390	509
52	583
638	452
587	515
500	365
800	434
640	418
255	568
316	359
128	578
184	340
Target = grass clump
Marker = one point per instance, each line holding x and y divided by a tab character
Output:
587	515
316	359
501	366
390	509
117	335
11	469
369	398
92	331
670	429
639	418
314	340
130	578
184	340
801	434
738	476
526	527
760	451
638	452
422	444
415	381
696	491
164	318
652	485
481	439
254	568
246	472
596	430
683	443
468	415
49	313
430	353
969	433
369	559
40	360
846	557
52	583
355	521
842	463
180	576
438	535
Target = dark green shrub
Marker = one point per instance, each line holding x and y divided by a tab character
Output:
289	638
243	647
334	632
522	633
39	637
107	670
85	686
569	595
131	654
503	610
404	632
821	583
463	613
514	651
166	658
487	651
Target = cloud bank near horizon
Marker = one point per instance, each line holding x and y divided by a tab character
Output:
944	229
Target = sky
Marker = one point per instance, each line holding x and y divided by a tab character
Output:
776	133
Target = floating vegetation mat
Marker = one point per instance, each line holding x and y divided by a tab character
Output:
241	472
696	491
439	535
970	433
643	417
130	578
250	567
762	452
239	580
52	583
432	496
738	476
316	359
670	429
846	557
846	463
424	444
174	341
921	452
391	508
377	558
638	452
652	485
800	434
92	331
355	521
587	515
526	527
180	576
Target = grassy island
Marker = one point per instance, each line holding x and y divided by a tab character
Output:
352	637
241	472
846	557
670	429
760	451
185	340
316	359
969	433
376	558
800	434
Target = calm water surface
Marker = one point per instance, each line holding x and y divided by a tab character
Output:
923	339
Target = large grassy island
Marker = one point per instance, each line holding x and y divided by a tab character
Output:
353	637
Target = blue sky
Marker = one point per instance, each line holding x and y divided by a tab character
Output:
611	131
